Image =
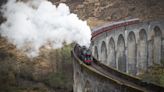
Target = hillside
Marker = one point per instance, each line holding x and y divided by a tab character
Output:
48	73
110	10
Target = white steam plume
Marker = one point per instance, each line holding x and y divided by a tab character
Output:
37	23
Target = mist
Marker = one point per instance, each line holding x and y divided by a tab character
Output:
38	23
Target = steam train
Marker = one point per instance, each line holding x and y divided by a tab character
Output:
85	55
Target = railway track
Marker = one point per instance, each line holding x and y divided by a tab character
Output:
122	81
117	76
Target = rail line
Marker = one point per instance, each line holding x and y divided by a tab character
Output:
111	26
117	76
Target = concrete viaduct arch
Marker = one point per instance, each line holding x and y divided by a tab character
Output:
111	53
103	53
157	45
142	51
96	52
121	59
130	46
131	53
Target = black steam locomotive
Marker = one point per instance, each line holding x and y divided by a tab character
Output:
86	55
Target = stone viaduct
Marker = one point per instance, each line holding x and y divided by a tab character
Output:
98	77
121	50
130	46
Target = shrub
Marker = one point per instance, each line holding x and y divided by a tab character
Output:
162	79
56	80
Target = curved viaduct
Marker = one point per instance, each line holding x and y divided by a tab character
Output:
130	46
121	50
98	77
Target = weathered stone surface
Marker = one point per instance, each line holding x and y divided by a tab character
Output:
133	48
98	77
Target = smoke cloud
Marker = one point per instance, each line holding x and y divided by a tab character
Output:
36	23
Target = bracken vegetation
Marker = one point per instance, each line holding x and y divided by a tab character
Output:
21	74
155	74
